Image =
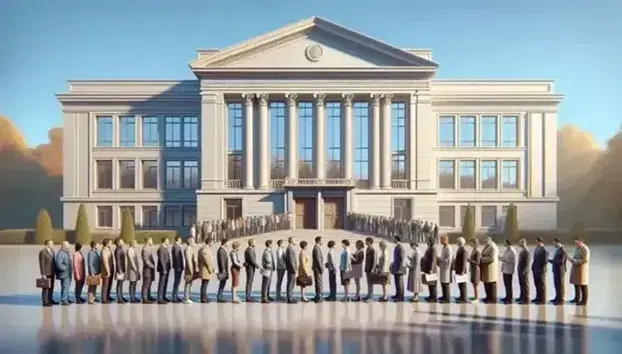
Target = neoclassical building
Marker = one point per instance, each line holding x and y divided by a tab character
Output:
317	120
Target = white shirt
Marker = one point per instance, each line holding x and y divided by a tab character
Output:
280	258
508	261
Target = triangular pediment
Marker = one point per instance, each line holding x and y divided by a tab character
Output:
314	43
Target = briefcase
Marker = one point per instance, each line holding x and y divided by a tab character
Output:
93	280
44	283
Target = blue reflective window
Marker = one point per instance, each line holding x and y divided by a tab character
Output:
277	140
305	139
333	140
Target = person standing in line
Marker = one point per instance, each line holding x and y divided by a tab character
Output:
236	266
579	272
267	266
524	264
64	268
47	268
345	268
280	268
149	271
304	271
475	270
93	260
206	267
250	264
318	269
414	271
133	270
223	269
539	270
461	267
120	260
291	263
508	265
331	266
107	271
558	265
79	275
399	269
383	269
370	265
490	270
177	256
190	269
164	268
357	268
444	262
429	265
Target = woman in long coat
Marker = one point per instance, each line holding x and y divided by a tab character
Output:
474	269
579	272
414	272
490	270
444	272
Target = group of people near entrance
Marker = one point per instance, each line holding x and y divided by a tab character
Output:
388	227
240	227
304	266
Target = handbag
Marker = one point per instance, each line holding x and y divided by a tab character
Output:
93	280
44	283
121	276
304	280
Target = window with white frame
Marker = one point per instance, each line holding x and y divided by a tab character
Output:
105	132
467	131
509	131
151	132
305	140
235	132
447	216
150	174
447	174
467	174
150	216
360	111
488	174
191	132
489	216
402	208
189	215
191	174
104	174
173	178
277	140
127	174
333	140
172	128
447	131
509	174
488	131
398	141
172	216
104	216
127	131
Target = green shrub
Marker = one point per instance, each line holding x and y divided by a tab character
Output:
82	232
468	224
510	230
43	227
128	233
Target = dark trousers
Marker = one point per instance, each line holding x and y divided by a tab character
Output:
105	292
583	294
146	289
332	285
46	294
560	288
491	292
399	286
538	281
523	283
265	287
78	292
204	283
176	282
162	283
119	290
280	274
291	280
221	288
446	297
507	283
250	275
319	284
432	290
463	292
109	287
132	291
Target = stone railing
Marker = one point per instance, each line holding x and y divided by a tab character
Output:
400	184
316	182
277	183
234	184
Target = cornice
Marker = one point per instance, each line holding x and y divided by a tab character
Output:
127	98
496	99
311	86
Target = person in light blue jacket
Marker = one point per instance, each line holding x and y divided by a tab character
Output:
64	269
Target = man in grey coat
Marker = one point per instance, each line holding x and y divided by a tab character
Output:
267	265
539	270
522	270
558	264
250	263
291	263
317	266
223	269
164	268
148	271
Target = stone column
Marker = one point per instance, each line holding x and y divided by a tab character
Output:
385	147
412	138
320	139
292	136
248	182
375	142
348	152
264	142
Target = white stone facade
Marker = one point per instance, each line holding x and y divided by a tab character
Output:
502	147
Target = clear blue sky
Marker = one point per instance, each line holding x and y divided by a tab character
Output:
44	43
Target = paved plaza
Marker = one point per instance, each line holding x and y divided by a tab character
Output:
302	328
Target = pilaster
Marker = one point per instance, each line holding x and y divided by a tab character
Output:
264	142
292	136
412	139
248	182
213	134
320	136
348	152
375	141
427	124
385	144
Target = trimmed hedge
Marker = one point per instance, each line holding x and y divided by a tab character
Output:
27	236
566	236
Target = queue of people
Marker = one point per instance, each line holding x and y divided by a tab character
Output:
240	227
304	266
387	227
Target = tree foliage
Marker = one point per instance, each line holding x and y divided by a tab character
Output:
82	229
468	224
43	227
128	232
511	224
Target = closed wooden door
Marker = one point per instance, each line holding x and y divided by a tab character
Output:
333	209
305	213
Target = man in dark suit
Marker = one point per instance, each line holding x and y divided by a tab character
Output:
291	263
223	269
47	268
559	272
317	266
119	258
163	267
461	268
370	264
280	268
429	265
524	262
148	271
399	269
250	264
539	269
178	267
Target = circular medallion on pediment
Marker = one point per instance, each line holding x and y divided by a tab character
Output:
314	52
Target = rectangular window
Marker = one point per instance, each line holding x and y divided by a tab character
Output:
489	216
277	140
509	130
447	216
402	209
127	131
191	175
150	174
191	132
235	121
305	139
333	140
488	174
446	174
488	132
104	174
132	212
467	131
127	174
398	141
172	216
463	213
104	216
467	174
105	134
150	216
447	131
233	208
151	132
189	216
361	142
509	174
173	175
172	129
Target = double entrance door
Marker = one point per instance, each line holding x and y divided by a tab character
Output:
307	213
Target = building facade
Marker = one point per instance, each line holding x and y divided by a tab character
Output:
316	120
